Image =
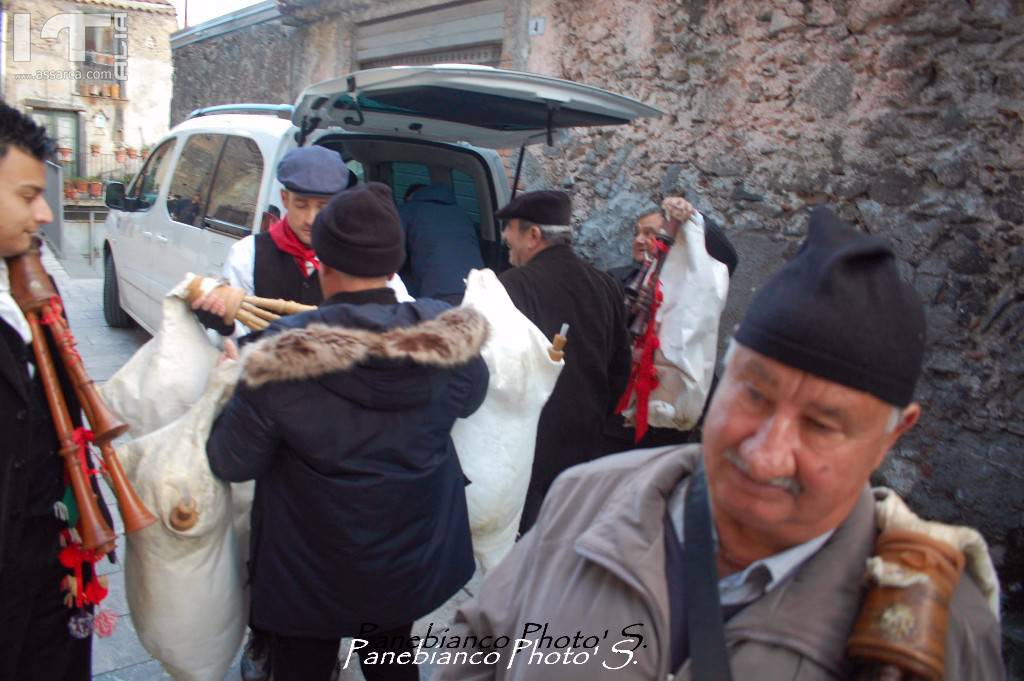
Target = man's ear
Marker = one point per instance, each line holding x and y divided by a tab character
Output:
535	234
908	417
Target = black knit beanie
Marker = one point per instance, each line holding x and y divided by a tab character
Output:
359	232
840	310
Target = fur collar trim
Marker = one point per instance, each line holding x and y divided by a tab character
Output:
452	338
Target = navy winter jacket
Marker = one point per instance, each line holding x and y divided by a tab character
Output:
441	243
343	417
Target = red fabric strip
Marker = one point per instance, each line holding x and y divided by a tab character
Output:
286	241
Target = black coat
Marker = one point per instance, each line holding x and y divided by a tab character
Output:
558	286
360	509
31	469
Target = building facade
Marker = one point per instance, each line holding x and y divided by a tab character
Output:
97	73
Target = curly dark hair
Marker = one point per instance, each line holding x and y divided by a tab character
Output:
18	130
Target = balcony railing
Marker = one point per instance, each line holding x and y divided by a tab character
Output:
100	168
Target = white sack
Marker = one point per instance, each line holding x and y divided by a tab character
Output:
186	589
168	374
495	445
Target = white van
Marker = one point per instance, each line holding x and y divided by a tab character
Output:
211	180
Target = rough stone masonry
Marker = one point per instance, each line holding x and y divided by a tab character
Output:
906	116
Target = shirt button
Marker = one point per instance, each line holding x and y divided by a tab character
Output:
22	415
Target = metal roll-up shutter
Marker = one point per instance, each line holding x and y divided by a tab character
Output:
468	33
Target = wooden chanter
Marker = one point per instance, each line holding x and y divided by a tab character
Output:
34	293
252	311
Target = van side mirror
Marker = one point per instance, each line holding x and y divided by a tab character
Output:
114	197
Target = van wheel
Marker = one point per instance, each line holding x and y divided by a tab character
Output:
112	312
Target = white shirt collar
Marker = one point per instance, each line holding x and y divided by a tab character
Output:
9	310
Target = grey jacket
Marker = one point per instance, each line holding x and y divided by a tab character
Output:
595	564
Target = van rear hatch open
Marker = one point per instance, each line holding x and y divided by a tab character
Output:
480	105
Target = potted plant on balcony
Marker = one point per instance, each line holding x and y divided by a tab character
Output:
120	155
95	187
65	152
145	152
94	149
133	152
81	186
69	189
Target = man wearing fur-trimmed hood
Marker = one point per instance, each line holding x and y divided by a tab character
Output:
343	417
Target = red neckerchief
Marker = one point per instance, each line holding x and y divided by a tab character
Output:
286	242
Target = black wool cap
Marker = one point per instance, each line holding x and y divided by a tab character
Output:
542	208
359	232
840	310
313	171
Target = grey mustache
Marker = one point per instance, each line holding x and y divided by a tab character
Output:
788	484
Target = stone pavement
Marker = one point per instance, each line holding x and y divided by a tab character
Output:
104	350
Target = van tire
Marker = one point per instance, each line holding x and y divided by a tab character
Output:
112	312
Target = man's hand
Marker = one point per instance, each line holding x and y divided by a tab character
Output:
212	302
677	208
230	352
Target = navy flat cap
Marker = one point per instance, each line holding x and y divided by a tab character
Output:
314	171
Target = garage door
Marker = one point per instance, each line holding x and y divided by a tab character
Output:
469	33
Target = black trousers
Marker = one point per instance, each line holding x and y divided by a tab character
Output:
312	659
35	644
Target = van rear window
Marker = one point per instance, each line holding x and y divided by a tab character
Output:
405	175
465	195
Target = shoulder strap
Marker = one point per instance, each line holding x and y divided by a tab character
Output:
704	611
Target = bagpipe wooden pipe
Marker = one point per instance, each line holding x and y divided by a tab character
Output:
34	293
252	311
900	633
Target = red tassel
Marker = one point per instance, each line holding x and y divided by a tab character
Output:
72	557
643	379
95	592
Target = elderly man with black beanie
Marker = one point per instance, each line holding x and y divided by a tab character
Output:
744	557
343	417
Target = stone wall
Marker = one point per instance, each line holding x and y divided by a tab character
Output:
906	116
253	64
